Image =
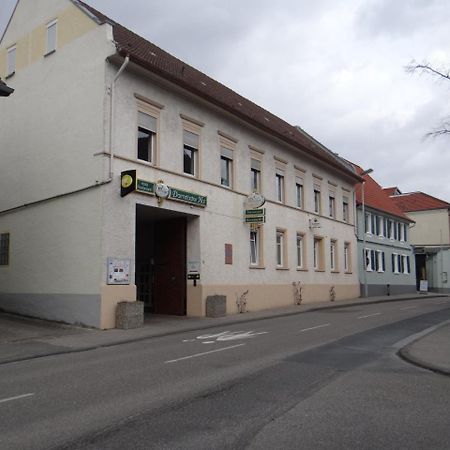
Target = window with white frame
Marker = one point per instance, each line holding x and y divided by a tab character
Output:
281	248
279	185
51	36
368	223
226	167
146	144
300	251
255	238
405	232
391	229
333	255
345	209
395	263
318	254
380	261
190	153
299	194
370	260
317	202
406	264
4	249
331	204
11	61
255	175
347	257
380	226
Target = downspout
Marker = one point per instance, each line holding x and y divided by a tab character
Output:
111	116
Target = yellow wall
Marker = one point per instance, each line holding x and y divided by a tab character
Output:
72	23
265	296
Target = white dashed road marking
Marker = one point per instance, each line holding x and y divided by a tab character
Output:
315	328
369	315
204	353
17	397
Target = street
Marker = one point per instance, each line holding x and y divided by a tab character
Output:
328	379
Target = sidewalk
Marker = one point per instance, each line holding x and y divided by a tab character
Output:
431	351
23	338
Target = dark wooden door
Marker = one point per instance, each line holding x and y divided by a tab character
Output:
169	289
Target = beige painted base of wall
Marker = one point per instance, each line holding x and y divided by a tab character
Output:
110	296
264	296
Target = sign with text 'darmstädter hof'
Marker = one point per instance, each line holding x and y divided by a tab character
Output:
130	183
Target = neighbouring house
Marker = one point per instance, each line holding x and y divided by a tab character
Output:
386	259
128	174
430	236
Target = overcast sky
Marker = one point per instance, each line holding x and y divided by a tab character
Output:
334	67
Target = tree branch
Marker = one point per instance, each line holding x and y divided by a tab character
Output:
413	67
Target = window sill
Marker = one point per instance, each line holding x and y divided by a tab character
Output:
319	270
257	267
50	53
282	268
348	272
10	75
301	269
335	271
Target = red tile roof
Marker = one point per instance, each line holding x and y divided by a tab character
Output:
156	60
391	190
418	201
375	197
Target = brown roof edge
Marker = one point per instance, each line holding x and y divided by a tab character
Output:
130	44
141	62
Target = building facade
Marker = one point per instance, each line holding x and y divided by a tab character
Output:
386	258
430	237
131	175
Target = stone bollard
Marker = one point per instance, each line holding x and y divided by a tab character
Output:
129	315
216	306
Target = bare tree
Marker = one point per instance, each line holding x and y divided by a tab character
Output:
441	74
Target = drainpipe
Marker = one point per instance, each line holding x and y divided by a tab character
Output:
111	115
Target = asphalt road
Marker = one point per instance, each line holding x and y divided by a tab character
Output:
327	379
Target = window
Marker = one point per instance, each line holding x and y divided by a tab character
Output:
255	175
331	205
318	254
190	153
380	226
146	146
11	69
405	232
368	223
317	206
279	185
405	264
375	225
385	227
281	250
299	192
226	167
371	260
345	210
391	229
347	257
300	251
254	247
333	256
380	262
51	37
4	249
395	263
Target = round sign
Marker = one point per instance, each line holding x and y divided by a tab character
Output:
162	190
127	181
255	200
